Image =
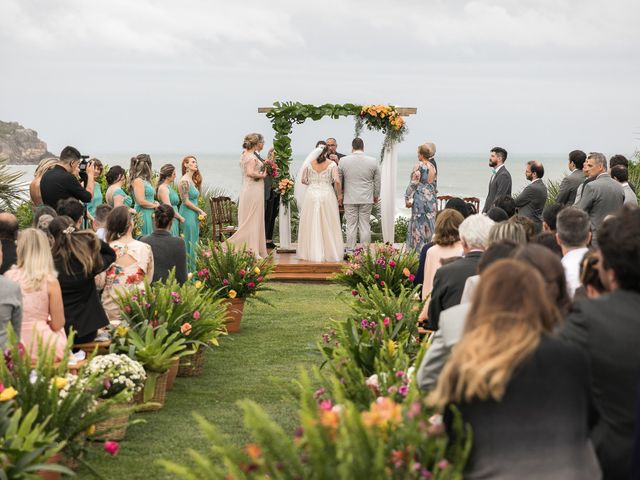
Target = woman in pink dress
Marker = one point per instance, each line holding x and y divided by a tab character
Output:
251	231
43	311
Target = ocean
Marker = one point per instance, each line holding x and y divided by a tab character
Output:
463	175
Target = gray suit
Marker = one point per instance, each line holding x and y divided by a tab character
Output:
452	322
499	185
569	187
10	309
531	201
600	197
629	195
361	184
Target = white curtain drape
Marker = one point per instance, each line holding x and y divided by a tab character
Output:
387	192
284	227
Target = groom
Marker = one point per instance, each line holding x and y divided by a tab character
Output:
361	183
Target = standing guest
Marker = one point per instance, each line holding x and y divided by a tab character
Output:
73	209
40	211
532	199
251	231
506	203
621	175
10	307
601	196
143	192
61	181
549	216
570	183
190	186
608	330
500	183
621	160
526	223
590	284
100	221
8	235
168	250
573	236
494	377
115	195
42	307
168	196
449	280
97	198
34	187
421	197
78	258
133	262
511	231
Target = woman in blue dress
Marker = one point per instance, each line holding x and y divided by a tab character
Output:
143	192
421	197
189	186
115	195
168	196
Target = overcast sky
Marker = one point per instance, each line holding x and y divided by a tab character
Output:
535	76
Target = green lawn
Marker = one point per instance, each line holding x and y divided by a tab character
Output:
273	342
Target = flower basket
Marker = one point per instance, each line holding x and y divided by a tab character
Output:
152	397
192	365
115	427
235	308
172	373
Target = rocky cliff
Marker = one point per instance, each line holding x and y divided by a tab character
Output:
19	145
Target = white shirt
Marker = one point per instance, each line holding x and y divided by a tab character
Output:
571	263
102	234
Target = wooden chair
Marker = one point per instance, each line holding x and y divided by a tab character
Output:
442	201
222	217
473	201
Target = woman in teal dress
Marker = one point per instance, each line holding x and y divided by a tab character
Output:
168	196
97	199
189	185
143	191
115	195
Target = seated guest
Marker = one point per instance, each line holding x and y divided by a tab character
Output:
10	307
527	224
548	240
40	211
590	284
133	263
621	174
8	235
78	257
43	311
573	235
453	319
168	251
506	203
449	280
100	220
497	214
608	331
72	208
549	216
513	383
507	231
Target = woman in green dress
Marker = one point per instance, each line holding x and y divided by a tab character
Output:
97	199
168	196
115	195
143	191
190	185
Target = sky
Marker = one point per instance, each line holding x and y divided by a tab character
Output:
534	76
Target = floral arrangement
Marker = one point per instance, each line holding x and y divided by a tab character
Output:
119	373
271	167
285	186
383	118
382	265
232	272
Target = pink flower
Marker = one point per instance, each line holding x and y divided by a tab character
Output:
260	278
372	325
251	285
196	315
385	322
127	309
326	405
392	263
442	464
206	253
403	390
354	293
425	473
414	410
392	389
399	316
185	328
111	448
376	276
412	277
364	323
225	282
399	374
242	273
382	284
318	393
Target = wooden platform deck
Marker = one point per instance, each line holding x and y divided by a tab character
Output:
289	268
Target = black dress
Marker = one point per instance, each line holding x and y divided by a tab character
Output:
82	307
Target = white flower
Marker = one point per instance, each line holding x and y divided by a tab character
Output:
372	381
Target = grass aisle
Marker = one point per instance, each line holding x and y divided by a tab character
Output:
273	342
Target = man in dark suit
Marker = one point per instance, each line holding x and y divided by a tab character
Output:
608	330
570	183
500	183
448	283
271	201
532	199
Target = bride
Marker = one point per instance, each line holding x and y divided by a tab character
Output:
320	232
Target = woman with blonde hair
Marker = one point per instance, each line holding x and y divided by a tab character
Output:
143	192
34	187
168	196
513	382
421	198
251	231
190	186
43	310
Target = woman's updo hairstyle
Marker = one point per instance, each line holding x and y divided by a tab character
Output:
323	154
251	140
164	215
165	172
140	167
118	222
427	150
114	174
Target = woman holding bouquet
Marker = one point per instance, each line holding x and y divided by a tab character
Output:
190	186
251	204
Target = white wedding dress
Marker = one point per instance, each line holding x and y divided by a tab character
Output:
320	233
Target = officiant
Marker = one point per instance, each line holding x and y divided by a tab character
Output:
271	204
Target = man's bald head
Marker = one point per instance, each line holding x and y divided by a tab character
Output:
8	226
534	170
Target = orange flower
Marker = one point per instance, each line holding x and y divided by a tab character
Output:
382	412
253	451
185	328
406	272
329	419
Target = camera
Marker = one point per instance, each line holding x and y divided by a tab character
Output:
84	161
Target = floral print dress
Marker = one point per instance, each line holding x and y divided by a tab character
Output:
423	198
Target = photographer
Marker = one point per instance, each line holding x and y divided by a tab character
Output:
61	181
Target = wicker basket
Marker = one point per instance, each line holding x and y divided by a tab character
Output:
156	402
172	373
235	308
114	428
192	365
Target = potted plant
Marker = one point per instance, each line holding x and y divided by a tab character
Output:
121	376
234	274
